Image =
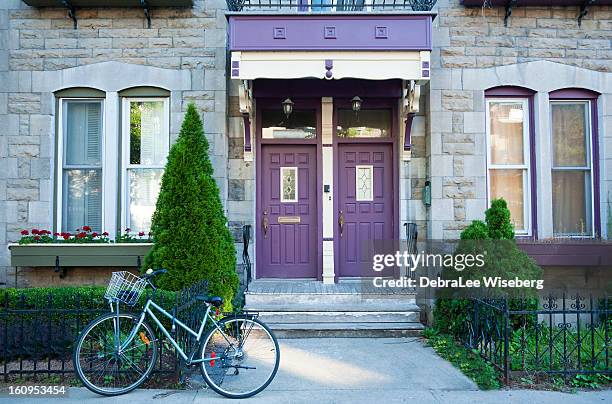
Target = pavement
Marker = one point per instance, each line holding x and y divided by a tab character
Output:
351	370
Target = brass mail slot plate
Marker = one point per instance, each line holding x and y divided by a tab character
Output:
289	219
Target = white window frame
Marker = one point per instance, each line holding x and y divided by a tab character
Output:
60	158
125	150
526	166
589	159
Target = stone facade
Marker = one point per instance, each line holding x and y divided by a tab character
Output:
36	41
543	49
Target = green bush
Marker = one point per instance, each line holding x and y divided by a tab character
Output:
189	227
503	258
497	217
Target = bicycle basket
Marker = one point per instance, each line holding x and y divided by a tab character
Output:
125	287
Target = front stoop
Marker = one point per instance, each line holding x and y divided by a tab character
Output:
305	309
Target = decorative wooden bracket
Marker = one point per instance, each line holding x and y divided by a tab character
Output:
147	12
509	6
584	10
58	269
71	12
410	106
245	98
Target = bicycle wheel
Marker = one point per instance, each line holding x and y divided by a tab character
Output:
242	357
103	369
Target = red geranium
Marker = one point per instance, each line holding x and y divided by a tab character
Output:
86	228
56	234
35	231
66	236
105	234
24	232
94	234
141	233
81	234
36	238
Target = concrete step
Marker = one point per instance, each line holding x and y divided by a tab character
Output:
326	307
380	330
318	317
333	300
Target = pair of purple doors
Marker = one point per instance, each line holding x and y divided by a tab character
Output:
290	208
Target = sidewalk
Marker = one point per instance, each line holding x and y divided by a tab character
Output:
353	370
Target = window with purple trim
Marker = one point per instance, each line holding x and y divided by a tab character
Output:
508	158
572	166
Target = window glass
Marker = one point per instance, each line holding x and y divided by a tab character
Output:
82	165
367	123
571	170
508	158
144	189
300	124
508	184
506	133
148	145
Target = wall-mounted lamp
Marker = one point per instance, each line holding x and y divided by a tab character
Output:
356	103
287	107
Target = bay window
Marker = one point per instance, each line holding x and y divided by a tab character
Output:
146	142
80	164
572	178
508	158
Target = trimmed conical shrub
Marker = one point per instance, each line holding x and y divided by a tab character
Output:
189	227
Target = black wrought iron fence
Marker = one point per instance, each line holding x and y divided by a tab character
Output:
560	335
330	5
38	330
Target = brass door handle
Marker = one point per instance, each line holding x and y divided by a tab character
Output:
341	223
265	223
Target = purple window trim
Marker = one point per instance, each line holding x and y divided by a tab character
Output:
522	92
580	94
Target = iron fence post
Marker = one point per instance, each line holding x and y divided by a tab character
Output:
506	340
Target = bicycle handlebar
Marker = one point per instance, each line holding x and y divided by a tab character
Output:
149	275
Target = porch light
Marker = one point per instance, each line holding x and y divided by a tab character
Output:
356	103
287	107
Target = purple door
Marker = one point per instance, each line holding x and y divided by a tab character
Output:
288	212
365	204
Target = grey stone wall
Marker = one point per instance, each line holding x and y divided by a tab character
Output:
541	48
34	40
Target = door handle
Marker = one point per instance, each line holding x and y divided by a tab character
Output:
341	222
265	223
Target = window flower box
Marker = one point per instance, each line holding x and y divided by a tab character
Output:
78	255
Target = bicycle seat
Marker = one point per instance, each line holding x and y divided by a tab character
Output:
216	301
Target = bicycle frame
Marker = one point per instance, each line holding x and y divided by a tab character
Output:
147	310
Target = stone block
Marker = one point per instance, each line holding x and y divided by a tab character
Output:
474	122
236	190
23	150
39	212
23	103
52	43
453	100
22	190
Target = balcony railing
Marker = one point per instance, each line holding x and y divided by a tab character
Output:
329	6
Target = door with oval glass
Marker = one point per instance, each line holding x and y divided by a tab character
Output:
365	188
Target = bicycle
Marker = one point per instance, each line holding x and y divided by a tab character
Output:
238	356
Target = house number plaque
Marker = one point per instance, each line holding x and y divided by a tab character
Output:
289	219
